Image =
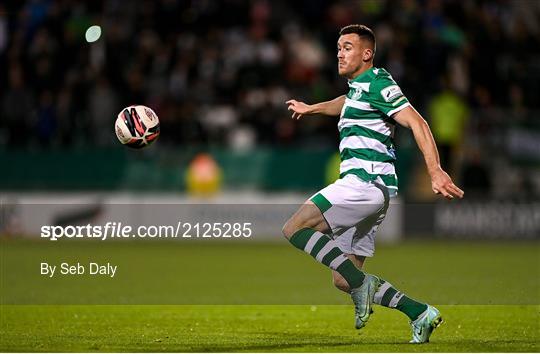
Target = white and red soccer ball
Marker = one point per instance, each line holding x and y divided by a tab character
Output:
137	126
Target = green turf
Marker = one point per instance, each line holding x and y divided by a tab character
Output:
484	273
263	328
189	296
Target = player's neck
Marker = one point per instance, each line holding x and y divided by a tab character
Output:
361	70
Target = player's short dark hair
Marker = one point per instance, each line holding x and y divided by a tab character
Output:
364	32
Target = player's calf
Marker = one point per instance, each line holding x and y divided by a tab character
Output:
340	282
305	230
326	251
388	296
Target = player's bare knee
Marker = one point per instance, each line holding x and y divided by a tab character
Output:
288	229
291	227
308	216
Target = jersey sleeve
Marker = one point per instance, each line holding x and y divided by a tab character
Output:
386	96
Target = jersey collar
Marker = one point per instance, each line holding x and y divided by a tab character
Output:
368	74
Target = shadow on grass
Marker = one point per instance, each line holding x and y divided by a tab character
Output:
329	344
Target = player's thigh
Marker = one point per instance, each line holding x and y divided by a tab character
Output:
347	202
308	215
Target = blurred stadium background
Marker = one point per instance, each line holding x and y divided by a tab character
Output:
218	74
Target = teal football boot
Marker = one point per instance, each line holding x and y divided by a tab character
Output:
424	325
363	299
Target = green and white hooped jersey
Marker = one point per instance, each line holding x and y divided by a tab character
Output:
366	129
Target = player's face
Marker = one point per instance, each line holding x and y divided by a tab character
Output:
350	54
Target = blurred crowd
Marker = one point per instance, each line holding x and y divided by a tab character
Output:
219	72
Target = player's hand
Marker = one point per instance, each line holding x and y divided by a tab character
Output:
298	108
441	183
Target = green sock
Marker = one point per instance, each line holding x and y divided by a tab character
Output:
389	296
326	251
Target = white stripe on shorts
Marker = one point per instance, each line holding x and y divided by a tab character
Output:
312	241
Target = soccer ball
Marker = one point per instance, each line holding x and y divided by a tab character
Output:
137	126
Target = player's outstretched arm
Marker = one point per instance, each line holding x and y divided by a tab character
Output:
441	183
329	108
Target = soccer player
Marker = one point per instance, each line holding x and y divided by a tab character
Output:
337	225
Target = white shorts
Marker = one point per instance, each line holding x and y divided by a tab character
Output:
353	209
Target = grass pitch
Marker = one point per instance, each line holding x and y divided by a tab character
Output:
259	297
259	328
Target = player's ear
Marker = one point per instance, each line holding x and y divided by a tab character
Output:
368	54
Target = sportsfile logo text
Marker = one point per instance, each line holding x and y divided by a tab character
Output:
114	230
